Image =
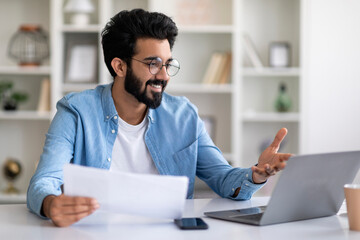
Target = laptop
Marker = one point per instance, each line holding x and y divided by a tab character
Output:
310	186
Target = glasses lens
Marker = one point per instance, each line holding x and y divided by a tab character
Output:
173	67
155	65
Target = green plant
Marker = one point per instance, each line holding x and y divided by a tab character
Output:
19	96
5	86
9	98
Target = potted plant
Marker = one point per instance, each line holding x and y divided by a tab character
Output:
9	98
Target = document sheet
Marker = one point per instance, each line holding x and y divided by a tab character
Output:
146	195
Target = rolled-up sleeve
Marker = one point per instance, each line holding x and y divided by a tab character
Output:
218	174
58	150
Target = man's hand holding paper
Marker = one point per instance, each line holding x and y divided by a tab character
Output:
128	193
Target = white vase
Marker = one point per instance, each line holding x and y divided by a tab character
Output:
80	19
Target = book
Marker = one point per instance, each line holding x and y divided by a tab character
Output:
44	97
218	69
224	77
250	51
212	68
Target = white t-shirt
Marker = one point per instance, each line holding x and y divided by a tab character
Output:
130	153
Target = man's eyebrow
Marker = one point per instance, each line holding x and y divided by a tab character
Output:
151	58
155	57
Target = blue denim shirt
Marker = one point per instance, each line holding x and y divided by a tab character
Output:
84	129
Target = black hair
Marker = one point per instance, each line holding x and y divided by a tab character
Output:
121	32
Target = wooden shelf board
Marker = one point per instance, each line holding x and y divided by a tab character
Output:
24	115
271	117
18	70
271	72
78	87
206	29
200	88
94	28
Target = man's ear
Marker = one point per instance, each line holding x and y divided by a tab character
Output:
119	67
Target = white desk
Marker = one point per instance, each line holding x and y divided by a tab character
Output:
17	223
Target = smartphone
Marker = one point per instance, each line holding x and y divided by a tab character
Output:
191	223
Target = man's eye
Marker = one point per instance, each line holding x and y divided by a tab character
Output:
155	64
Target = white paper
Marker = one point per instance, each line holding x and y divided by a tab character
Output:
156	196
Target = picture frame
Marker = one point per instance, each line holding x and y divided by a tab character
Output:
279	54
210	125
81	64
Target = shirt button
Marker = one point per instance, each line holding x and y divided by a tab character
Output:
113	131
247	175
115	117
109	159
107	117
233	189
246	184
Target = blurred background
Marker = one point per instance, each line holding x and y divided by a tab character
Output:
250	66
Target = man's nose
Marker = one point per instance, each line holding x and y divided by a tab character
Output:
162	74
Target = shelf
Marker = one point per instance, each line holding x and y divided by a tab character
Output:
199	88
78	87
207	29
24	115
11	198
81	29
271	72
270	117
18	70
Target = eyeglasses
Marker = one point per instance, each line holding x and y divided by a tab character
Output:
155	65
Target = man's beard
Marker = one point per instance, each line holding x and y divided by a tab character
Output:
133	86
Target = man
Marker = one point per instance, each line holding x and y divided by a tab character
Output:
132	125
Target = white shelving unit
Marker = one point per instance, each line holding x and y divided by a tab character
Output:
242	109
22	132
265	22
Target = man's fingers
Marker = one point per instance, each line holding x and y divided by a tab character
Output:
66	210
68	200
278	138
284	156
76	209
270	170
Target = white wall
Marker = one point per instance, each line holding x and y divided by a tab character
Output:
331	96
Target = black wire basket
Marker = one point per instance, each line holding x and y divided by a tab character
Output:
29	46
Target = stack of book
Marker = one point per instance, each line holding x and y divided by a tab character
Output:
218	69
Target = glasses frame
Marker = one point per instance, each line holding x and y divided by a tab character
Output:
162	65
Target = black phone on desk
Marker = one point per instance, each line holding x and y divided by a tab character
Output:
191	223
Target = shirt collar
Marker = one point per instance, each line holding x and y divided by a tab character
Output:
151	115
